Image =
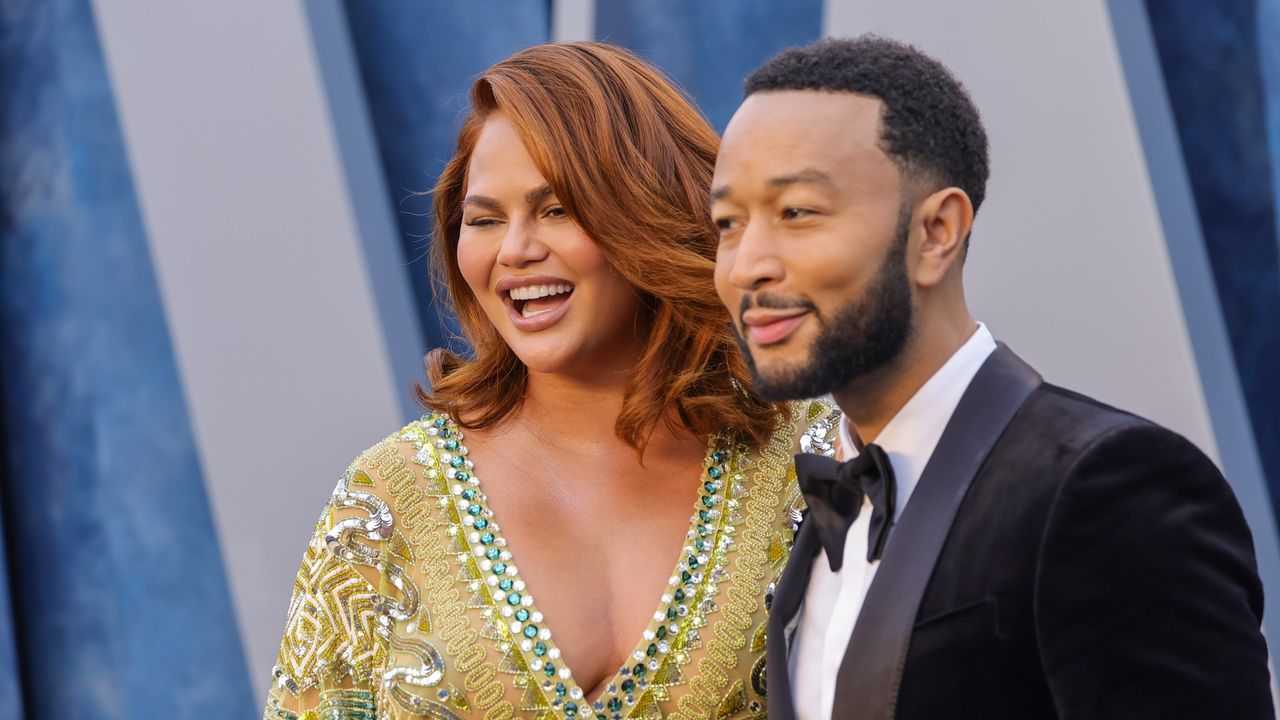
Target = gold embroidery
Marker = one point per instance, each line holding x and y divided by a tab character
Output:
451	623
734	702
331	630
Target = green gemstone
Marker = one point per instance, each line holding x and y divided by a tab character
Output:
445	432
561	690
679	596
469	494
661	632
615	704
549	670
693	563
451	445
492	553
685	577
499	568
708	502
651	650
487	538
481	523
570	709
719	456
703	530
700	544
462	476
530	631
715	472
704	516
505	584
456	461
522	614
540	649
628	685
513	599
638	671
671	613
710	487
440	422
474	509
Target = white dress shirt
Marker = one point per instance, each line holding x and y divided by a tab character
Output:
833	600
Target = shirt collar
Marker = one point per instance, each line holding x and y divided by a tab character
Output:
912	434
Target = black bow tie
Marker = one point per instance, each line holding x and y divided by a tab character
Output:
834	492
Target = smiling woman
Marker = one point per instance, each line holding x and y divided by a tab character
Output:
647	490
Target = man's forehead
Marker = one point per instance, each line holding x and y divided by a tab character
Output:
790	133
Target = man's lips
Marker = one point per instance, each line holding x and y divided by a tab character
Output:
769	327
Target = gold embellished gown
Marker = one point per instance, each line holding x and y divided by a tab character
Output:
410	603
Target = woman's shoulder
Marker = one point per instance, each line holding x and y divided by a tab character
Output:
811	426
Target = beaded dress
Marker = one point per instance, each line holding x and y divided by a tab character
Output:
410	604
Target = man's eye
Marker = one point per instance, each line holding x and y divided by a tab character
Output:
724	224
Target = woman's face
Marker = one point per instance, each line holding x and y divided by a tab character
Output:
544	284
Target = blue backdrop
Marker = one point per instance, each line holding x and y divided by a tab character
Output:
116	603
1217	59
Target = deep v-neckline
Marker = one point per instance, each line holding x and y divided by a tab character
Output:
510	598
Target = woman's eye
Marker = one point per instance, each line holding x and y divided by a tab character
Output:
480	222
794	213
556	212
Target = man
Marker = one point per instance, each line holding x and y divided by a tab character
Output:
993	546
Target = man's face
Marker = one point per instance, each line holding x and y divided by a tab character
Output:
812	261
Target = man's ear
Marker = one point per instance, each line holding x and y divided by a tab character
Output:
946	217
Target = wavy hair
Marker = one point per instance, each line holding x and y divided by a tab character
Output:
631	160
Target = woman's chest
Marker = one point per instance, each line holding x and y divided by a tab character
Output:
583	613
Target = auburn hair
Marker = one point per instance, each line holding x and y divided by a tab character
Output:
630	159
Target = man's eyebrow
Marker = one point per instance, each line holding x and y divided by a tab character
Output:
815	177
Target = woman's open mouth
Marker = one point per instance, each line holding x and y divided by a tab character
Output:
535	300
536	303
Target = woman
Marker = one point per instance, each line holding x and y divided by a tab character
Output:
600	432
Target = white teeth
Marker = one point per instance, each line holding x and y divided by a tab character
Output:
533	292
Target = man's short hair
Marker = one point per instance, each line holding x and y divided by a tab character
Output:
930	126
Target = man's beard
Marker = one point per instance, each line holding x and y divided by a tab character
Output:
865	335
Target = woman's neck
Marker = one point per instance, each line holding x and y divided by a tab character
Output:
580	410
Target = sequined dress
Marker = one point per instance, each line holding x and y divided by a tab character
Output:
410	604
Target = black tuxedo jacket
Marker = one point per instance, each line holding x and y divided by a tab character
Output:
1058	559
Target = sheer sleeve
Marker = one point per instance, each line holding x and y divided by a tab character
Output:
335	644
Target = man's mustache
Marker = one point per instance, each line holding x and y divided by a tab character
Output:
772	302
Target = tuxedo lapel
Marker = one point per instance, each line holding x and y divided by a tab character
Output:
787	597
867	685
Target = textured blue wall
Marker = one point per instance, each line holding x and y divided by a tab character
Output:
1212	57
119	599
709	46
417	60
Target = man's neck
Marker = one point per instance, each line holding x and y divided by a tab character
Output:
871	401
